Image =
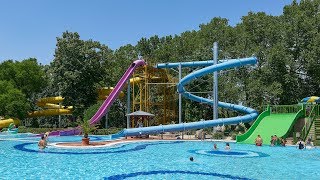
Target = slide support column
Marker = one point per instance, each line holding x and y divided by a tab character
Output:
180	100
215	82
128	104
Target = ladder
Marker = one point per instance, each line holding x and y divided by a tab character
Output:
317	131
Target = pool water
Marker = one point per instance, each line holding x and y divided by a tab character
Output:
21	159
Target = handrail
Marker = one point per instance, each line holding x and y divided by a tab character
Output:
308	124
277	109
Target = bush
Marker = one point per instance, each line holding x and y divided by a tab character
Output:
34	123
107	131
218	135
88	113
23	129
234	136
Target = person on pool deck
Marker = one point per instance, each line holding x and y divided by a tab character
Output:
259	141
215	147
227	146
42	143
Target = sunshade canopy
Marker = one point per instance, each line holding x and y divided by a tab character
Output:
140	113
312	99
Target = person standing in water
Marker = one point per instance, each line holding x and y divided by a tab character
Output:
42	143
259	141
227	146
215	147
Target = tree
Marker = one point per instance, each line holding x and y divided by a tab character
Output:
13	103
26	76
77	69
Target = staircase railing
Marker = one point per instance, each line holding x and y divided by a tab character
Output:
279	109
309	121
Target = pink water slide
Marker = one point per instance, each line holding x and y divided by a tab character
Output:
115	92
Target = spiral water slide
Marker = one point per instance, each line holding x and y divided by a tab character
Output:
251	114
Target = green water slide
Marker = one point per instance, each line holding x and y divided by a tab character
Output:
269	124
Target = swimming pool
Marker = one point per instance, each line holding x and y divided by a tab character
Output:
155	160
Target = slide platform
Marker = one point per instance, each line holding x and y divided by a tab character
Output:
268	125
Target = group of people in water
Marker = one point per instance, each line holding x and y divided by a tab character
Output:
305	145
227	147
275	141
215	148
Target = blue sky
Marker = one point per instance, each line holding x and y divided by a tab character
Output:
29	28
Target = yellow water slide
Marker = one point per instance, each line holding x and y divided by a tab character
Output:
6	122
105	91
51	107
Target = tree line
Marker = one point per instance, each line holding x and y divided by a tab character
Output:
287	47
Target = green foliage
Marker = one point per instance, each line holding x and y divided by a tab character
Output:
234	136
13	102
34	123
23	129
27	75
86	126
107	131
218	135
77	69
89	113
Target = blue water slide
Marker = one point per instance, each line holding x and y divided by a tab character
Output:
251	114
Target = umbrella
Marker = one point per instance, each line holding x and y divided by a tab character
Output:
312	99
140	113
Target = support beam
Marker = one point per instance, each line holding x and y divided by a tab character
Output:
128	104
215	82
180	98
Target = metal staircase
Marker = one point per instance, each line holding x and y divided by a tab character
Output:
317	131
311	128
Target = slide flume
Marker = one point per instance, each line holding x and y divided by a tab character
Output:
51	107
226	64
268	125
115	92
107	103
6	122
